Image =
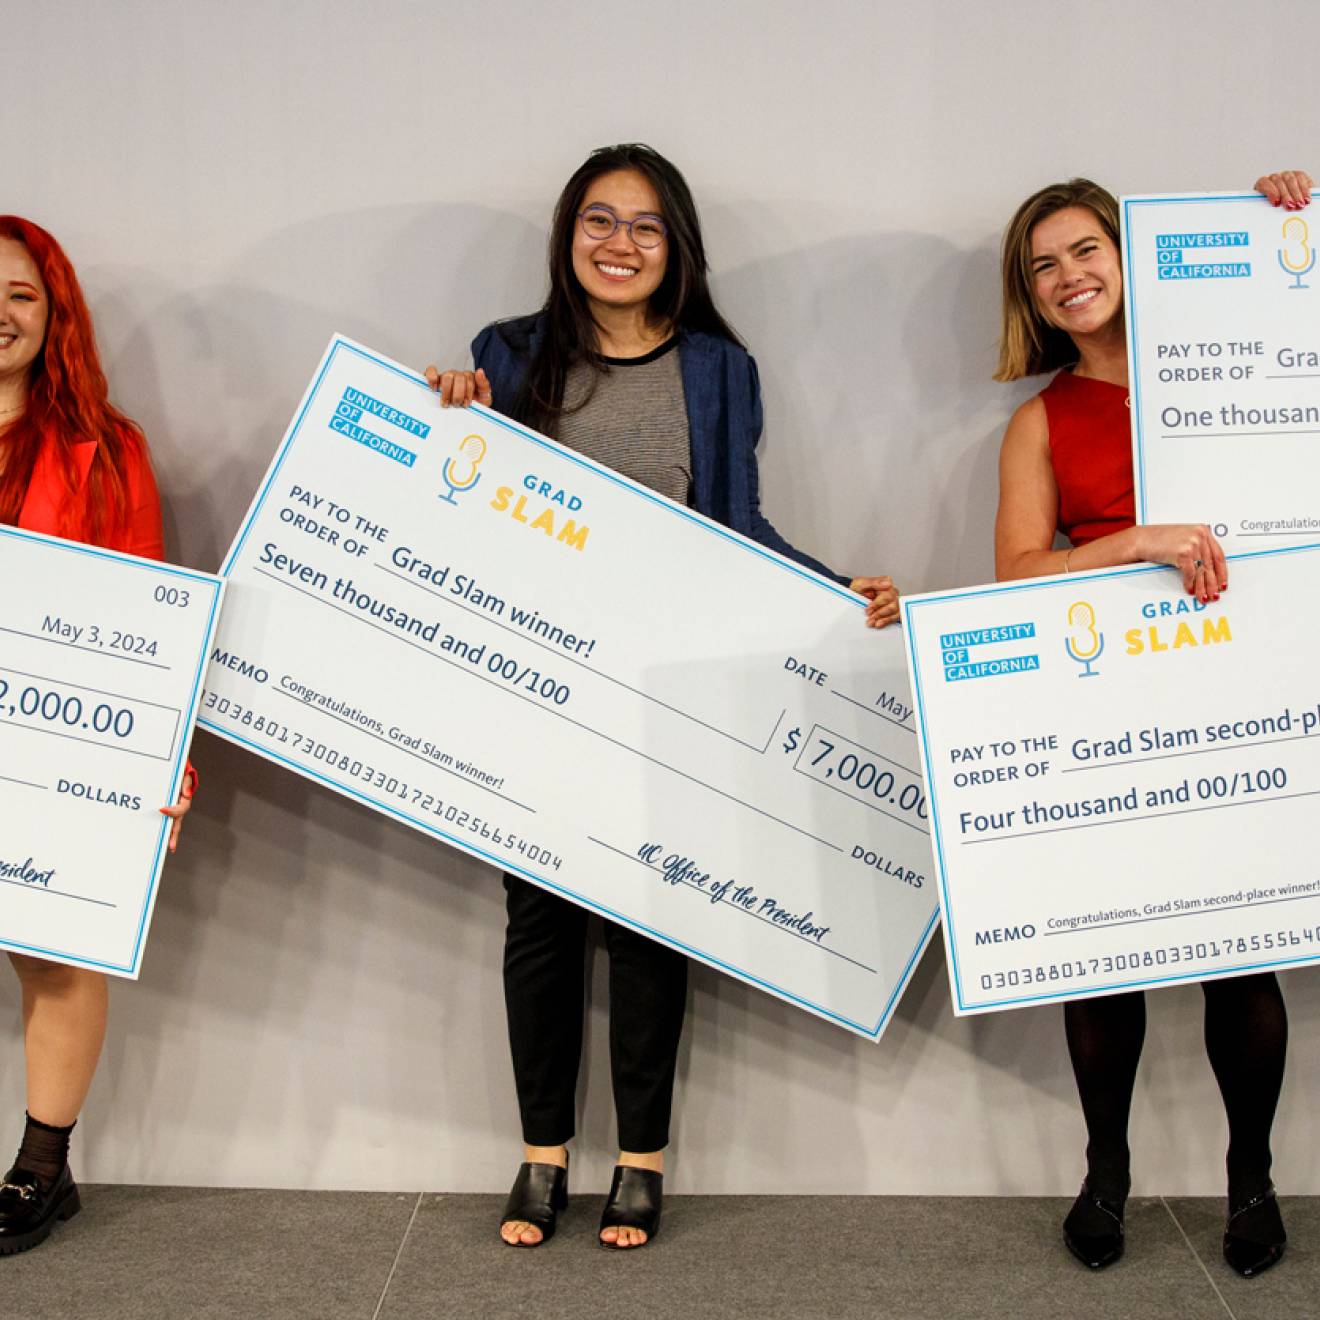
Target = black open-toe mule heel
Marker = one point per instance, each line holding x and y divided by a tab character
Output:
633	1202
539	1193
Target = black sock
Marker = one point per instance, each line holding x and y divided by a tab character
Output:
44	1150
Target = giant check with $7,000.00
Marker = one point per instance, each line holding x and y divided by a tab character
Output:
486	636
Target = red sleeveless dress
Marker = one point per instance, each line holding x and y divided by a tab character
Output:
1091	453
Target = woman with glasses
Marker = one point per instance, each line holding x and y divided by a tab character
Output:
629	363
71	465
1066	466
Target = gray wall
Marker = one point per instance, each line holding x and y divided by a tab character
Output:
321	1000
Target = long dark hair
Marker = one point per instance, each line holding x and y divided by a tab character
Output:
682	300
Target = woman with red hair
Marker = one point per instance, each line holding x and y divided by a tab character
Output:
71	465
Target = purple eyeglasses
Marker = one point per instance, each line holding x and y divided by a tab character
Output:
599	222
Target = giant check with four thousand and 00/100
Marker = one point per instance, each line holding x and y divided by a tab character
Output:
1122	778
101	664
516	650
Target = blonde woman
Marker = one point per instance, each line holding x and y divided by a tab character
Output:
1066	466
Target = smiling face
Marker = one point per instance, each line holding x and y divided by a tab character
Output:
1077	279
23	311
614	272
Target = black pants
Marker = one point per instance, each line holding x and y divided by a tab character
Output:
544	988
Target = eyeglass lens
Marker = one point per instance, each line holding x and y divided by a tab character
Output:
647	231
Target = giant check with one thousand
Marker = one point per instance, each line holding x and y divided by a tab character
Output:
481	634
1123	780
1224	354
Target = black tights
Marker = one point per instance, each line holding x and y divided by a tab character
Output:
1246	1039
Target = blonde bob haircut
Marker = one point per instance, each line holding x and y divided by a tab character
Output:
1028	345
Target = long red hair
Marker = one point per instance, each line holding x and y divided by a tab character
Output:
67	399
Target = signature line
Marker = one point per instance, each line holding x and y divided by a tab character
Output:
746	911
58	893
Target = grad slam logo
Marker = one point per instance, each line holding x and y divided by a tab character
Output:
545	508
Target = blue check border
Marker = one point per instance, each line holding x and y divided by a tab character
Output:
133	965
911	605
341	344
1130	205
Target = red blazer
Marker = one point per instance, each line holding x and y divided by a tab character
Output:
47	497
46	504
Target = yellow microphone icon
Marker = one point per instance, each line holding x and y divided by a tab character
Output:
1085	645
466	461
1297	256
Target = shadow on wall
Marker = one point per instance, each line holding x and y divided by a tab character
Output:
285	899
733	1061
214	371
876	354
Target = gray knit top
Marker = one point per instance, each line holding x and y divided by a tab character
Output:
634	421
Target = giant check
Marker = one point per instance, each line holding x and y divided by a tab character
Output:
1224	357
101	664
1123	782
500	643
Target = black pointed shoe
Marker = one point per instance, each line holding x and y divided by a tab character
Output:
539	1193
1254	1237
27	1214
1093	1229
633	1202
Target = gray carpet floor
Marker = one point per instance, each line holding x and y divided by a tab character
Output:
174	1253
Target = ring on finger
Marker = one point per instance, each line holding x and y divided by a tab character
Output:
1198	563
